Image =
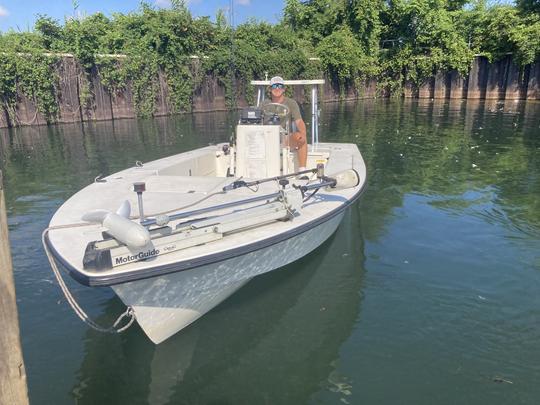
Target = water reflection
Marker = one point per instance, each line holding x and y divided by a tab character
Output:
424	146
446	148
273	342
451	214
67	157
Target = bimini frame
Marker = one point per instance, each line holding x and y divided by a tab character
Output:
262	84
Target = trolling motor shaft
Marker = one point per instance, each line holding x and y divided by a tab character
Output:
139	187
241	183
347	179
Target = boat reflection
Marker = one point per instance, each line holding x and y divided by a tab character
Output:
274	341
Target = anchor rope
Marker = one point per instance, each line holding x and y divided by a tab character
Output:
129	313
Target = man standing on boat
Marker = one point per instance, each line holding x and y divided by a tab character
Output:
297	138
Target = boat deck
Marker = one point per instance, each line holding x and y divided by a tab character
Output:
179	181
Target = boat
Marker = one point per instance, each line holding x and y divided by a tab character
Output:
207	221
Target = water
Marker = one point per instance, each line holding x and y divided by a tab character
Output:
427	293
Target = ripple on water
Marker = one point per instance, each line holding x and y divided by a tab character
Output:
427	294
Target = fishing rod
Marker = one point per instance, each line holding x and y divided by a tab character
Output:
241	183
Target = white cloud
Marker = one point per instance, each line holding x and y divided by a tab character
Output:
243	2
3	12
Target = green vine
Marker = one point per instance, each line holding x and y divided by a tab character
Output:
112	73
397	43
34	75
181	81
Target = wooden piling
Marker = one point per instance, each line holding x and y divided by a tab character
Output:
13	388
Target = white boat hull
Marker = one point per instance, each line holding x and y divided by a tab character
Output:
222	237
166	304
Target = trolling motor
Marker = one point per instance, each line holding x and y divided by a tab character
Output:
134	241
241	183
340	181
120	226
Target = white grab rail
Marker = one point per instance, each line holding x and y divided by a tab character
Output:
314	102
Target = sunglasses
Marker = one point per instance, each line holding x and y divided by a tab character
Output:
278	86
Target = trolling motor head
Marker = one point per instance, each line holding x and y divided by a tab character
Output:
340	181
343	180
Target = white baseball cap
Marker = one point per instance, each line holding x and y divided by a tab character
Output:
277	80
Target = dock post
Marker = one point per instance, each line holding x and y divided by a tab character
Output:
13	389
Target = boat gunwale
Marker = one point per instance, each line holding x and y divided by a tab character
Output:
191	264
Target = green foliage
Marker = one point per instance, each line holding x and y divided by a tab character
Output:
23	67
36	78
503	30
395	41
528	6
51	32
160	39
428	41
525	36
82	38
365	22
255	49
343	56
8	83
316	19
112	74
142	68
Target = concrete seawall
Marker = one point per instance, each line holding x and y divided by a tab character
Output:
496	81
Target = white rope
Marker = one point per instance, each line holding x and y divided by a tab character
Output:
71	300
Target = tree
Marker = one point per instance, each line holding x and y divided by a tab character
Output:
51	31
365	22
315	19
343	56
528	6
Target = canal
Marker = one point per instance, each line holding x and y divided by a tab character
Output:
427	293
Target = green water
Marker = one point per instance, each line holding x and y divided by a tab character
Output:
428	293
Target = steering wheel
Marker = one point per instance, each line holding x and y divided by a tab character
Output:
275	109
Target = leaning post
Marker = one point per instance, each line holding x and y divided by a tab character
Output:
13	388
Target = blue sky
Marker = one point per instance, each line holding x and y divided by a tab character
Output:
21	15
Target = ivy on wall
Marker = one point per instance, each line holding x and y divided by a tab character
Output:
394	42
26	69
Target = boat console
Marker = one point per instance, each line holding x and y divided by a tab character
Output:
261	149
